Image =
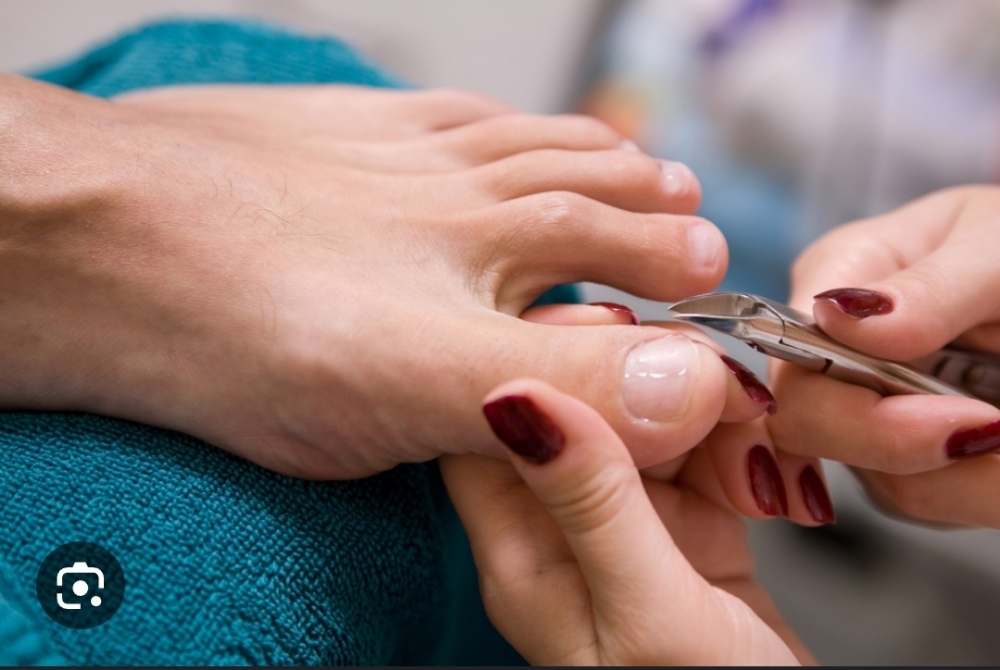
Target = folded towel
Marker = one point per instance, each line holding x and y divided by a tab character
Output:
225	562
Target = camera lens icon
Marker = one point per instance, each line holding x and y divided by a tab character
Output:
80	585
80	588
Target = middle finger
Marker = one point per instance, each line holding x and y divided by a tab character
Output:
825	418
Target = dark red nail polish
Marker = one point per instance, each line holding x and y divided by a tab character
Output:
858	302
816	497
766	483
619	309
754	387
523	427
974	441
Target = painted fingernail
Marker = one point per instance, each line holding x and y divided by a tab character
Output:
816	497
619	309
629	145
658	376
526	429
974	441
751	384
705	245
858	302
677	178
766	483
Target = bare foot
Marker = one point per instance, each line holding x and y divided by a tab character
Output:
326	280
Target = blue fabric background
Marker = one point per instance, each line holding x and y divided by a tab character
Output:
227	563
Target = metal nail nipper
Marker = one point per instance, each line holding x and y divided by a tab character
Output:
782	332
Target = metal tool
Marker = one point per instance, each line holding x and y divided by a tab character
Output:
782	332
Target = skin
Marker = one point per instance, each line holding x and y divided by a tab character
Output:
720	459
324	279
936	259
584	561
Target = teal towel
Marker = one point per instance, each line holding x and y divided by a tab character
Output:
227	563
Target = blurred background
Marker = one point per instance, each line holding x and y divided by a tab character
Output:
797	115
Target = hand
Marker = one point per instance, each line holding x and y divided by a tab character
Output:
917	278
324	280
582	561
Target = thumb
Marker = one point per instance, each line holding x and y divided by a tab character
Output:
586	479
906	284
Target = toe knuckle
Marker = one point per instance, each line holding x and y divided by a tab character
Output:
556	208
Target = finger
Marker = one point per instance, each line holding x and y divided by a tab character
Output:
520	556
809	501
623	179
697	514
965	493
760	481
825	418
563	237
493	139
743	383
585	478
744	462
695	520
870	250
757	597
904	291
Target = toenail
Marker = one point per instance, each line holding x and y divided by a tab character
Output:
677	178
705	244
657	379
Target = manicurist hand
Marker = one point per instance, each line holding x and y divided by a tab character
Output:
901	286
326	280
584	561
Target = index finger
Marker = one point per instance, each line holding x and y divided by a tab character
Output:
863	252
905	284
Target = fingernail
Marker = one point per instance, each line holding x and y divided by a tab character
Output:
629	145
676	177
816	497
766	483
658	378
705	245
619	309
751	384
974	441
858	302
525	428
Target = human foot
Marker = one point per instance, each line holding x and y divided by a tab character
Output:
329	295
